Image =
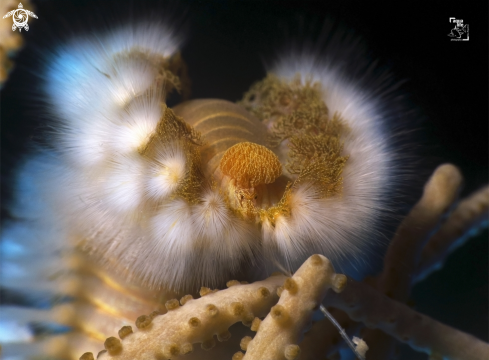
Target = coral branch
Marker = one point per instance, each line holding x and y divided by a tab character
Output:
404	252
323	339
472	213
363	303
197	321
405	249
281	331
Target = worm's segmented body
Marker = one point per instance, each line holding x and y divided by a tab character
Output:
144	202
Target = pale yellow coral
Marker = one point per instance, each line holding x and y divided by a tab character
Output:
403	255
469	215
280	332
363	303
197	321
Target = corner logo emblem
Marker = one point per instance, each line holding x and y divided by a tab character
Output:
460	32
20	17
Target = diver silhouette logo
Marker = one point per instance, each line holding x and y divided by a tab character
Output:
20	17
460	32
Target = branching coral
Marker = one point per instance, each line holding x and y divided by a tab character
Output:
377	303
196	321
278	335
469	216
376	310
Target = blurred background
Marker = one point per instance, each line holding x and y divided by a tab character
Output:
228	45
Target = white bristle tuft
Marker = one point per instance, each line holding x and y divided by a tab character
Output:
219	230
136	124
122	189
336	226
316	225
185	232
92	80
172	236
167	171
130	77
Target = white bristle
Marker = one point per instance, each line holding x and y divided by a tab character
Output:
92	80
122	188
132	130
130	77
184	232
167	170
172	236
336	226
220	231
